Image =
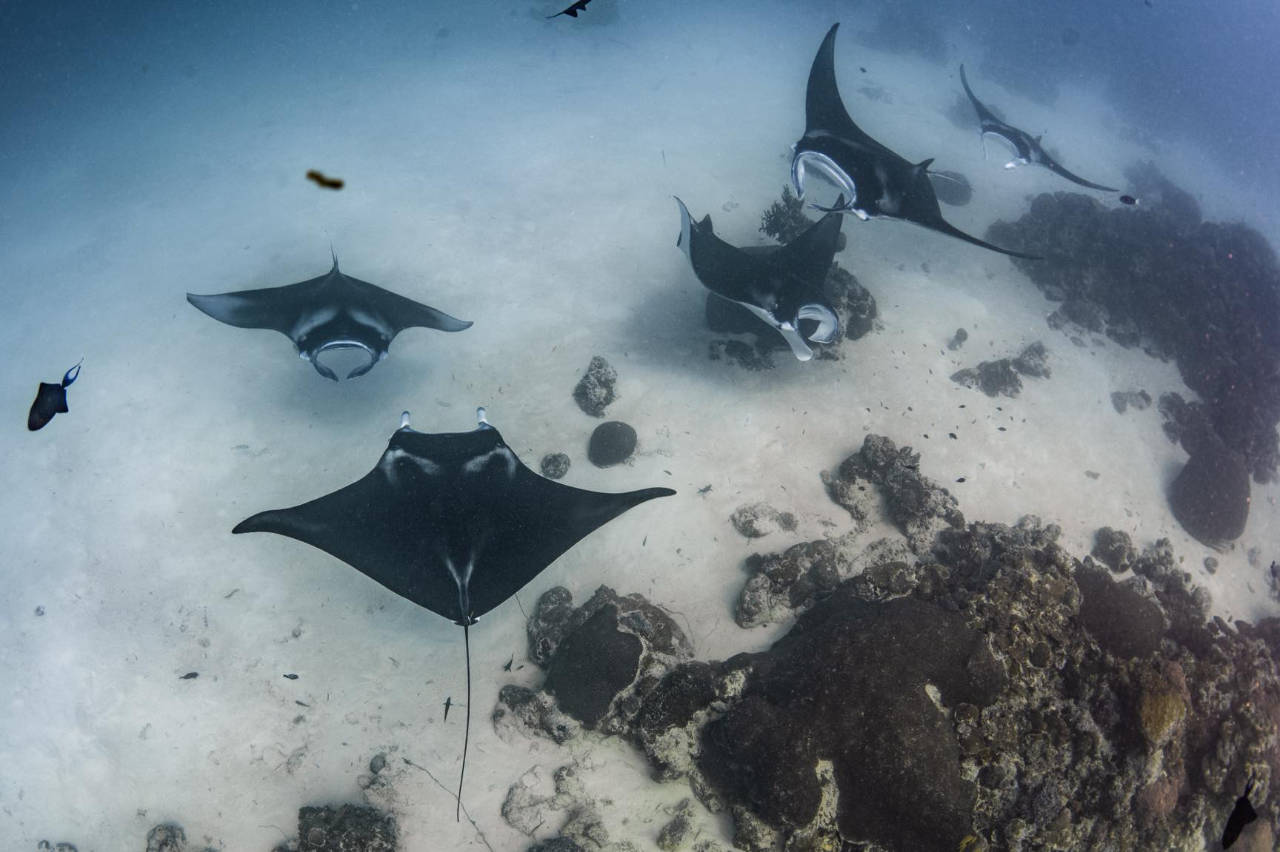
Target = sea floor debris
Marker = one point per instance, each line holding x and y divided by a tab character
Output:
1018	697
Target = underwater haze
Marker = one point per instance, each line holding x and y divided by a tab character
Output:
816	449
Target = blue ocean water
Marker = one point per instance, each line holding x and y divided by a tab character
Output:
517	171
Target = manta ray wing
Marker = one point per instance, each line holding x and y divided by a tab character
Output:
722	268
985	116
809	256
401	312
277	308
824	110
454	522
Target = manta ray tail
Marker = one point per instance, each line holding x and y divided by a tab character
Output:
466	736
951	230
1074	178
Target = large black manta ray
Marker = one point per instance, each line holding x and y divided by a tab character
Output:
1026	149
453	522
876	182
781	285
334	311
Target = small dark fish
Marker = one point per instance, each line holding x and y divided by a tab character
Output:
960	479
507	667
301	703
190	676
1128	199
862	68
704	489
1241	815
291	676
51	399
322	180
448	702
951	435
572	11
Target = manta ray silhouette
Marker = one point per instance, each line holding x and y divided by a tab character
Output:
572	10
1026	149
782	285
453	522
877	182
334	311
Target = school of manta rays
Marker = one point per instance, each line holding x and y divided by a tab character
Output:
502	524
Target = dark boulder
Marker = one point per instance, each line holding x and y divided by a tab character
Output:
813	697
592	665
1124	621
1210	496
611	443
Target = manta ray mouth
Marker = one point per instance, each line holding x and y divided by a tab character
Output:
828	323
826	168
314	357
1005	143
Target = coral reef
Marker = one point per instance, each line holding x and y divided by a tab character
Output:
537	799
995	378
968	687
1204	293
597	388
756	520
554	465
1114	548
1210	495
349	828
1138	400
919	507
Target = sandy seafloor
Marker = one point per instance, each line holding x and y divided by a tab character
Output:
527	186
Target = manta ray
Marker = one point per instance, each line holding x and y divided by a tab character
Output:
877	182
454	522
334	311
1026	149
782	285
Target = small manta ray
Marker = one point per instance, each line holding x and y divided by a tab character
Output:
51	399
1241	815
572	11
454	522
782	285
334	311
1026	149
877	182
